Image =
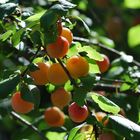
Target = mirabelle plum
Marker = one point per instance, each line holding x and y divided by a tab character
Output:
40	76
60	98
59	48
107	136
77	66
67	34
57	75
19	105
103	65
78	113
100	116
54	117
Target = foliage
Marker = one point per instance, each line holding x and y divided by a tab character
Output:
26	29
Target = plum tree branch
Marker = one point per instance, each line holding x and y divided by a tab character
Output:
112	88
67	72
17	117
104	47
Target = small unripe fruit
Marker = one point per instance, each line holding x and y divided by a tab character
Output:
54	117
77	66
57	75
103	65
78	113
59	48
40	76
19	105
67	34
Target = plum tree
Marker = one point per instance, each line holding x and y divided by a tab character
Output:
60	98
54	117
40	75
57	75
66	32
78	113
59	48
103	65
77	66
19	105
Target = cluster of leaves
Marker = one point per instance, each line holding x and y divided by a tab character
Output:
23	33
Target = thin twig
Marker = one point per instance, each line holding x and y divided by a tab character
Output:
67	72
112	88
17	117
104	47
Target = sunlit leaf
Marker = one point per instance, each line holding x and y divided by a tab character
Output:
105	104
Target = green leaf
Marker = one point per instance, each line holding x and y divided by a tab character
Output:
88	81
36	38
134	4
93	68
79	95
125	87
55	135
6	35
104	103
8	85
80	136
108	42
35	17
7	9
16	38
85	25
91	53
133	36
74	131
30	93
73	50
125	127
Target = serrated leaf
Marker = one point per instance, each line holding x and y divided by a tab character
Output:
7	9
73	132
6	35
8	85
125	127
91	53
105	104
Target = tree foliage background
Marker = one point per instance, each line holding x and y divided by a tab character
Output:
110	27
